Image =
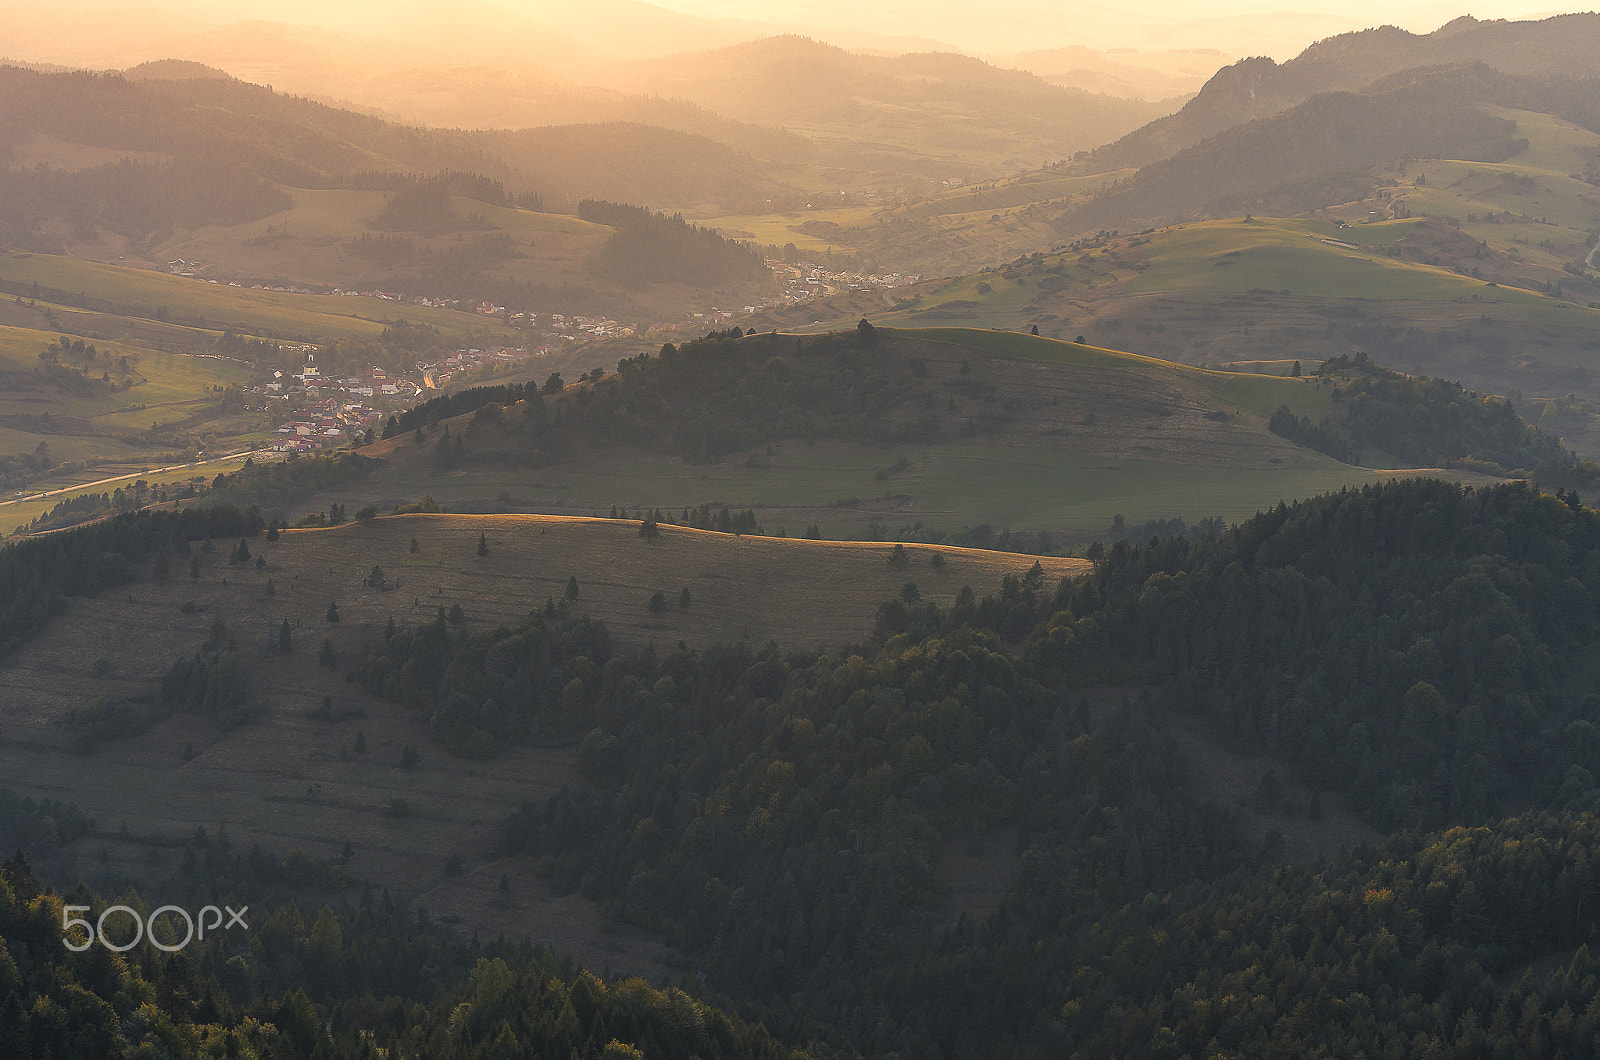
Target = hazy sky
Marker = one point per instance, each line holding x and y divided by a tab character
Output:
1240	27
33	29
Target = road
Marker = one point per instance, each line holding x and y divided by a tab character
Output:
134	475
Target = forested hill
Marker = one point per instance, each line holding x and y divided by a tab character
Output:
1563	46
1413	651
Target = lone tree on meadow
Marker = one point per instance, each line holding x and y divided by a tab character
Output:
572	587
898	558
333	611
483	544
285	637
658	603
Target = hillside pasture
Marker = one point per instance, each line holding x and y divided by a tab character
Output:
292	779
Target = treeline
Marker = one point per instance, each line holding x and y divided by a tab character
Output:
371	979
1427	422
649	247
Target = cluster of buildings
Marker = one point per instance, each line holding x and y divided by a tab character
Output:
328	411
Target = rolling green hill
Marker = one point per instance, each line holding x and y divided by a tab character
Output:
921	434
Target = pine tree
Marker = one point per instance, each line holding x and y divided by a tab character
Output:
285	637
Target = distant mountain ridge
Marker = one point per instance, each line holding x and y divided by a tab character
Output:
942	100
1313	154
1260	88
294	141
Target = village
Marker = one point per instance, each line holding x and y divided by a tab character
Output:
329	412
